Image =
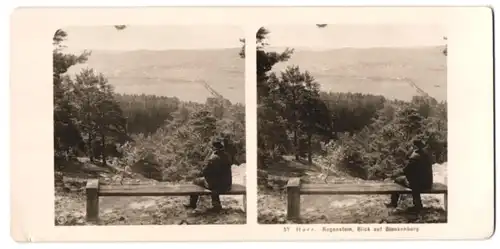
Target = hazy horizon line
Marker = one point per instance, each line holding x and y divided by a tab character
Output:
358	48
146	49
268	48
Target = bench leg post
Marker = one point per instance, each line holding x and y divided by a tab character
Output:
245	203
293	199
446	202
92	193
245	195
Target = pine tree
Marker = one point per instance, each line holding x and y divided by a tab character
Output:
67	138
102	123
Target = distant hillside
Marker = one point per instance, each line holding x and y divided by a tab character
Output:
374	70
172	72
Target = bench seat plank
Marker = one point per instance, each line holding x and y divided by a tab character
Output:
163	190
364	189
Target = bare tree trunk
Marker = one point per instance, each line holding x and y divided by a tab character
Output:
90	151
103	149
309	148
295	144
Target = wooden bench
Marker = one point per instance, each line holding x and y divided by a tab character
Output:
94	191
295	189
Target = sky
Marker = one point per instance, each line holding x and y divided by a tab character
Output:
213	37
153	37
356	36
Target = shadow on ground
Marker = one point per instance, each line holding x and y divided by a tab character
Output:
349	209
70	202
340	209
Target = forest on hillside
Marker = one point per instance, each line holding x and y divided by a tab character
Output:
160	137
368	136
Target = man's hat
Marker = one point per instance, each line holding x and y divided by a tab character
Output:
419	143
224	136
218	143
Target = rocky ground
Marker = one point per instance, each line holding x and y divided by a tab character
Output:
70	202
326	209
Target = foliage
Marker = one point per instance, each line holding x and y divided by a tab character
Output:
265	61
100	119
350	112
371	135
146	113
66	134
382	147
160	137
180	147
87	119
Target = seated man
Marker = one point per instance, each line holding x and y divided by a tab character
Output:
216	176
417	176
